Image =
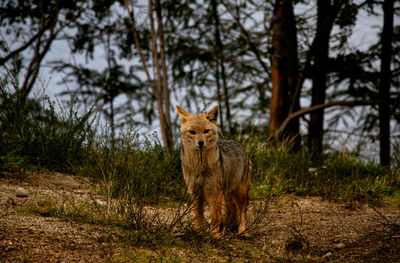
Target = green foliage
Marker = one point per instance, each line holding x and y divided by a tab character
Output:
39	137
33	134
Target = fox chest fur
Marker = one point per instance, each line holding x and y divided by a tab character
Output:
221	167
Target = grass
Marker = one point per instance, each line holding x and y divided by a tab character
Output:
156	240
36	137
339	176
136	170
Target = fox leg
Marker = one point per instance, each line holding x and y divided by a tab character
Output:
230	217
198	199
242	203
241	198
215	202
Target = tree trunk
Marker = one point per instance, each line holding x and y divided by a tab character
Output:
385	81
284	69
327	14
165	89
112	121
219	96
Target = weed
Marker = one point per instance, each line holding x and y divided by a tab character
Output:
381	243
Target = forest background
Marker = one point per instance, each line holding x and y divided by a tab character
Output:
289	70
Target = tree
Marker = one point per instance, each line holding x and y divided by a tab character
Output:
220	75
218	52
199	52
98	32
353	66
160	89
284	69
39	24
327	12
385	82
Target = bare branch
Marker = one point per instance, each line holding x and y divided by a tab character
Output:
139	50
246	34
323	106
160	94
34	65
21	48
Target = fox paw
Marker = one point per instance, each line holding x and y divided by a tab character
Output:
244	235
216	235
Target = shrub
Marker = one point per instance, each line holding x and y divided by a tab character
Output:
140	169
33	133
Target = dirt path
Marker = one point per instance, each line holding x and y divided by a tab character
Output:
27	237
295	229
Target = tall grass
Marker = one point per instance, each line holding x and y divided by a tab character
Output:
134	168
338	176
35	136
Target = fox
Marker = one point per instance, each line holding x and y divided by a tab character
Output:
215	171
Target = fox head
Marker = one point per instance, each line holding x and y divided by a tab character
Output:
199	131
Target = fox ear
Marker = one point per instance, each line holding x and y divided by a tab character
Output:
212	115
182	113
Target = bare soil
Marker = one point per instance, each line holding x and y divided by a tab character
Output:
295	229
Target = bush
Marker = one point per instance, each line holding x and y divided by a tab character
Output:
140	169
34	135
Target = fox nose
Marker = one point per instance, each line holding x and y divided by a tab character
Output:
201	144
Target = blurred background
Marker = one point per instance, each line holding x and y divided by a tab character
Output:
323	75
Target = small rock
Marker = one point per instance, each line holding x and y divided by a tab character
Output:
328	254
100	202
21	192
340	246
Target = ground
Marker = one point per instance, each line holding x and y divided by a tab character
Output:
294	229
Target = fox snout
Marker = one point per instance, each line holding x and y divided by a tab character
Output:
199	140
201	144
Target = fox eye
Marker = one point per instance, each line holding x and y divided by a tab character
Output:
192	132
206	130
